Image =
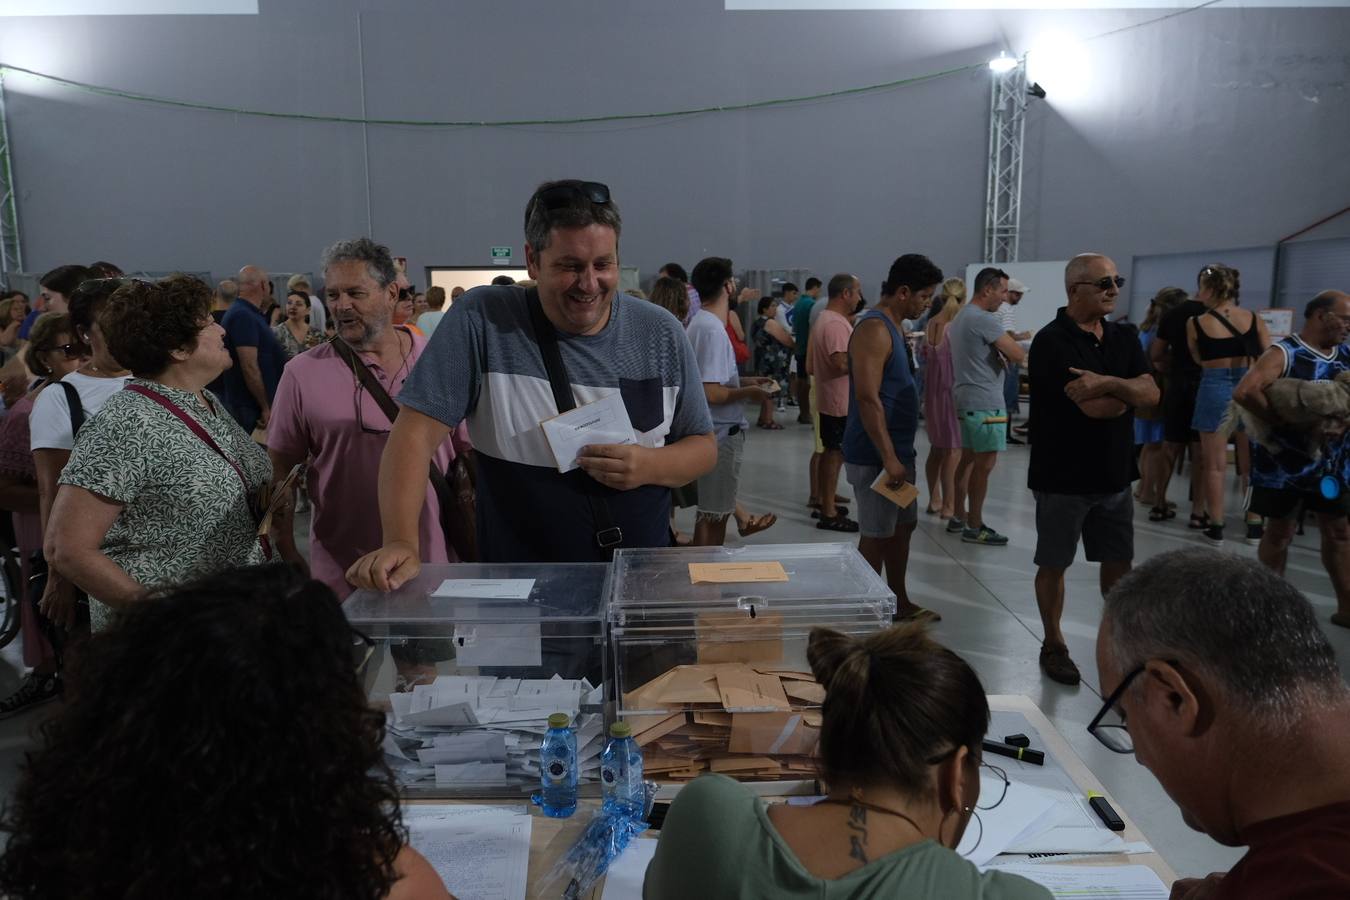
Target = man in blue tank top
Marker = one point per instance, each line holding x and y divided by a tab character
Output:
883	414
1285	480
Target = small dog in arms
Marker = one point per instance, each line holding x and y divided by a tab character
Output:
1308	412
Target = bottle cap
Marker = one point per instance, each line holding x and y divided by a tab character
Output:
621	730
559	720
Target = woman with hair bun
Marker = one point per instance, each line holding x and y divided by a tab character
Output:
903	722
1224	340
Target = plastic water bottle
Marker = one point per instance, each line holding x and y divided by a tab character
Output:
558	768
621	772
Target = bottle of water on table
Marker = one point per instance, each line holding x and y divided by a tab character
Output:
558	768
621	772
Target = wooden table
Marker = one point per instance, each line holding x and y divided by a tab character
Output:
549	838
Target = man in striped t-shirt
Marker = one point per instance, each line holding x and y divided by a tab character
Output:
484	365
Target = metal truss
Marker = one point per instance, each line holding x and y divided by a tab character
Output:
1003	199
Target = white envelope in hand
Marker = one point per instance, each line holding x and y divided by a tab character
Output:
603	422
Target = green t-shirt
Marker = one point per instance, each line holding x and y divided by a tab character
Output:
717	844
801	323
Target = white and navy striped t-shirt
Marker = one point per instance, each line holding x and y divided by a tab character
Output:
483	364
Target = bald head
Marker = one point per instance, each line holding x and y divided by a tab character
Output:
253	285
1080	268
1326	322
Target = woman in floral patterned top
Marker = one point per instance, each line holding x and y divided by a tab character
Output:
163	485
294	332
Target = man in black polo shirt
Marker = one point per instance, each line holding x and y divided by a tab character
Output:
1087	376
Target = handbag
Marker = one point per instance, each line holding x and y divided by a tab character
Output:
454	493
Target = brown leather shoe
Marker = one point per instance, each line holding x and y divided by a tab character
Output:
1056	663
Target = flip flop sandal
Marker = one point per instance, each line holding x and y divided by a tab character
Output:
1157	514
756	524
771	426
1198	522
838	509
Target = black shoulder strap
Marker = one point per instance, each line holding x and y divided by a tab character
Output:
1226	324
607	534
76	407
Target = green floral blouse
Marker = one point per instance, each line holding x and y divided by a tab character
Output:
184	511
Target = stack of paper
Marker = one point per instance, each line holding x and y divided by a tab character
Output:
480	852
753	723
465	731
1101	882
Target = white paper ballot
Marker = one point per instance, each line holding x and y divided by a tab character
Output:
471	773
1098	882
624	879
484	857
461	748
603	422
486	588
1024	811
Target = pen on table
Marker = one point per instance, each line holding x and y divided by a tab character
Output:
1025	754
1103	809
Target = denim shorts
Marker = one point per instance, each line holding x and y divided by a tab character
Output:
1213	397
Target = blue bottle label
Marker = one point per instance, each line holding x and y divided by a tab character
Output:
557	771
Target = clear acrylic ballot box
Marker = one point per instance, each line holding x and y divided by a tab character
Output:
468	661
709	652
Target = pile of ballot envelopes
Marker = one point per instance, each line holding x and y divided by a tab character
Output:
751	722
477	732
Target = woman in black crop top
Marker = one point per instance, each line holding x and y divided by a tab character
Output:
1224	340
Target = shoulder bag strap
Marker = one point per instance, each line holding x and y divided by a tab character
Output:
465	546
607	534
76	407
195	427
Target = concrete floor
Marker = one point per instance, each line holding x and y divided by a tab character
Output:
989	615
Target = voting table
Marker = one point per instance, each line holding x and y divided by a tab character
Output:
550	838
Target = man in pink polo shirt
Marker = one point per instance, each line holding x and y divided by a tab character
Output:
827	363
322	412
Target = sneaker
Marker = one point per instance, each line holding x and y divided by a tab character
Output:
1213	535
1255	531
955	526
34	690
1055	662
984	535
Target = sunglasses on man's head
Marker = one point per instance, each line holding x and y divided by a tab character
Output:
1104	284
562	195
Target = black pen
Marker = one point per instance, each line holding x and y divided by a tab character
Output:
1025	754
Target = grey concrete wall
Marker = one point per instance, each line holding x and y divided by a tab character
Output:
1218	128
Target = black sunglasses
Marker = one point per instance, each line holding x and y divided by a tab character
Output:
1117	737
561	195
70	351
1104	284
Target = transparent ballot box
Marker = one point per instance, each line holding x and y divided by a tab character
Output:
468	661
709	652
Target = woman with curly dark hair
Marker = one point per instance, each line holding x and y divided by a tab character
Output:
163	485
237	758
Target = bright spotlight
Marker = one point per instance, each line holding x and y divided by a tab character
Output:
1002	63
1062	65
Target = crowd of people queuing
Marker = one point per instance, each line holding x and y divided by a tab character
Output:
152	451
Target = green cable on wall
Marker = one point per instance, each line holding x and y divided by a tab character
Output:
501	123
580	120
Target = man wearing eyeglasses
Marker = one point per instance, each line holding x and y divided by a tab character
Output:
505	359
1087	376
1220	682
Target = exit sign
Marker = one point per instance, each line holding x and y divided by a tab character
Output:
501	256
